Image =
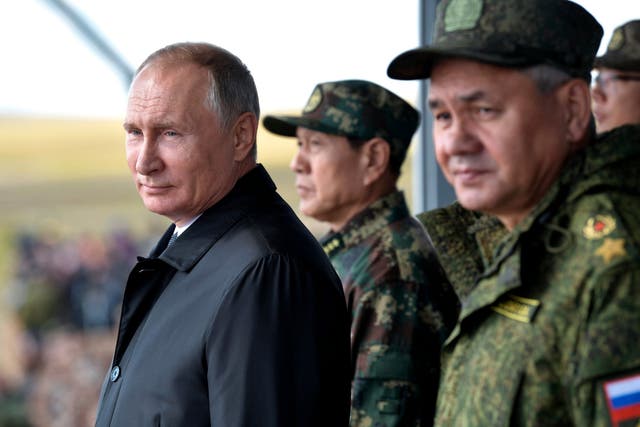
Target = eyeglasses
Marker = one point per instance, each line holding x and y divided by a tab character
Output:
603	81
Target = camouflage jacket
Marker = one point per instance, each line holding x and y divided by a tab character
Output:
401	310
550	323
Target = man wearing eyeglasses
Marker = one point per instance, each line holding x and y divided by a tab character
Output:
616	92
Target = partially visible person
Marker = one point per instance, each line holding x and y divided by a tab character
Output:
550	321
14	370
616	92
237	317
353	137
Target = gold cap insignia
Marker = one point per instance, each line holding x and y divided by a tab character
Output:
598	226
617	40
314	101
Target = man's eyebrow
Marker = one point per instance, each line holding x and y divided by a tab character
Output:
464	98
434	103
165	124
473	96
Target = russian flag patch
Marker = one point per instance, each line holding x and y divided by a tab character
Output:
623	399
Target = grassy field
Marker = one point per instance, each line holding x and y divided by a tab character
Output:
71	176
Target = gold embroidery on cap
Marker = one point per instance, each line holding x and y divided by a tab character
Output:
314	101
617	40
462	15
598	226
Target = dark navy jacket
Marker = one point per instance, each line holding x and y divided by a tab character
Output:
241	322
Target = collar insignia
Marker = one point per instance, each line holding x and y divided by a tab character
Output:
333	245
517	308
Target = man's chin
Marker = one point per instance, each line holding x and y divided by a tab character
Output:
305	210
156	208
472	202
310	211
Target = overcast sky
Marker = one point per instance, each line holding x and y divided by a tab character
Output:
48	69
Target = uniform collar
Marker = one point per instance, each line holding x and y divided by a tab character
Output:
371	220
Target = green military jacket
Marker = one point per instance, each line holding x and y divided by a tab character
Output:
549	330
402	309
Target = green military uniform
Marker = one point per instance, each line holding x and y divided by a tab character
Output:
549	332
401	309
549	329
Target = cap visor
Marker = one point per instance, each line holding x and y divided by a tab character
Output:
281	125
617	63
418	63
287	125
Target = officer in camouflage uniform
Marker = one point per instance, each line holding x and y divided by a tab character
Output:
543	246
616	93
352	137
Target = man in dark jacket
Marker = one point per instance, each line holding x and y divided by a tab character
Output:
240	320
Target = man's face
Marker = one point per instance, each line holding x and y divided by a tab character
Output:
615	98
181	160
329	177
499	141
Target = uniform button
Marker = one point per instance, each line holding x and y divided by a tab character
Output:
115	373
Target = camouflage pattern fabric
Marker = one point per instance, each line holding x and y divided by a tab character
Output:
548	333
402	309
623	50
454	230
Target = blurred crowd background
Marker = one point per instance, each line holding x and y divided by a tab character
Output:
63	298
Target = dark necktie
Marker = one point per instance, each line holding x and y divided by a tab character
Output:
173	238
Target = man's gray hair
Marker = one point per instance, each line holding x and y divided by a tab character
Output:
232	91
547	77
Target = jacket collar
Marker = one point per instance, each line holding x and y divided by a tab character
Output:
464	241
215	221
375	217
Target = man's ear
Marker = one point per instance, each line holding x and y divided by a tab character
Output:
576	96
244	135
376	153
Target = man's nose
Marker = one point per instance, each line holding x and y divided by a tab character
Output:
459	138
299	162
148	160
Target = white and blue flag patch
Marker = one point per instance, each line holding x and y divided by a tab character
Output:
623	399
